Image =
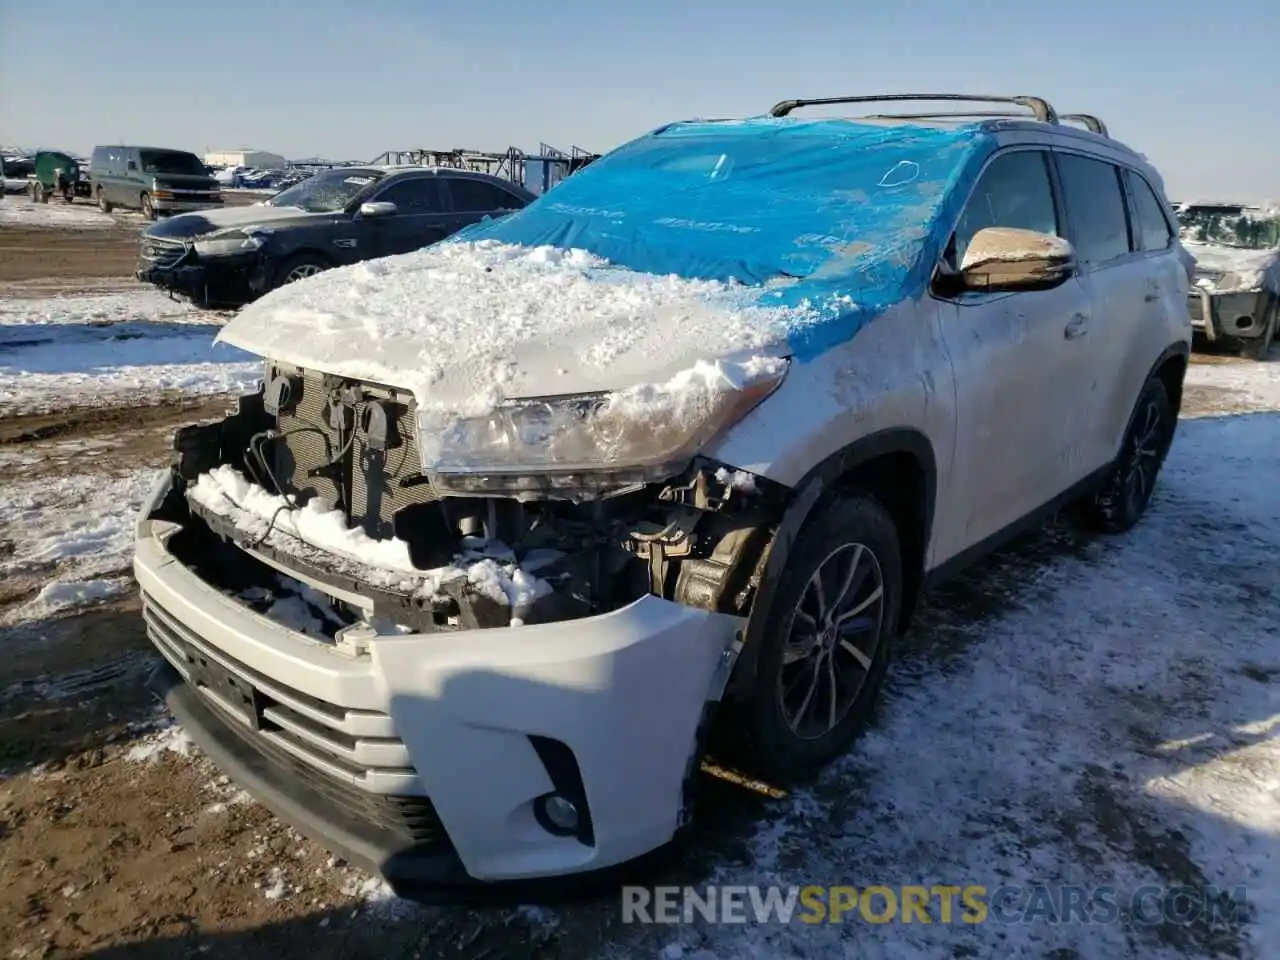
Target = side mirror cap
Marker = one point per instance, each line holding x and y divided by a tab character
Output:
379	208
1009	258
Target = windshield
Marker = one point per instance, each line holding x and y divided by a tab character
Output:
171	161
1231	227
752	200
326	192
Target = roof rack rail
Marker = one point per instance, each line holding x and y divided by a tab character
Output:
1089	120
1040	108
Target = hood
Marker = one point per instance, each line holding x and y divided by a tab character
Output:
1223	269
184	226
465	325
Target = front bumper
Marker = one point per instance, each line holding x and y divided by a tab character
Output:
224	281
1216	315
452	722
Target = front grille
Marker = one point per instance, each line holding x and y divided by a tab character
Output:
332	746
370	483
164	254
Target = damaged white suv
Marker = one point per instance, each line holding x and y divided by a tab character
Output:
515	523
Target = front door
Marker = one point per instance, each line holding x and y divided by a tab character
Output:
420	218
1019	361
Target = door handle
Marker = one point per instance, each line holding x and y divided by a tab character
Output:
1077	327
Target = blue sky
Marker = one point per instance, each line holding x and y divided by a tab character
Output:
1194	87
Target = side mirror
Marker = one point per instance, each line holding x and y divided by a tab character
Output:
133	165
1008	258
379	208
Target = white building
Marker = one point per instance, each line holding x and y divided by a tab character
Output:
258	159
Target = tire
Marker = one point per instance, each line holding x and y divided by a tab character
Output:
146	206
780	738
103	203
299	267
36	190
1123	498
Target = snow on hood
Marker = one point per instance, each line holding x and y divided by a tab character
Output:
201	222
1235	269
465	325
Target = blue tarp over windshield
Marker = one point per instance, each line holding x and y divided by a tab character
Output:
846	217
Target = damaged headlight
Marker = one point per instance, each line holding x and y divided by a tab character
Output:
230	242
594	440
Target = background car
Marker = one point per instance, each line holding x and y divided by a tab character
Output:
231	256
152	180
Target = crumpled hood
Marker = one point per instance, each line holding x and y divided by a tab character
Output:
1223	269
184	226
464	325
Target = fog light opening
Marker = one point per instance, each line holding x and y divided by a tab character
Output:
557	814
1244	322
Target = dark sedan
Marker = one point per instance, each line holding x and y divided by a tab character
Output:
228	257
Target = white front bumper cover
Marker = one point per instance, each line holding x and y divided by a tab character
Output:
624	691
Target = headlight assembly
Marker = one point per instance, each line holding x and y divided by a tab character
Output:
230	242
594	441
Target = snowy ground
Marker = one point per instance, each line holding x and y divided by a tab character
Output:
19	211
111	348
1091	711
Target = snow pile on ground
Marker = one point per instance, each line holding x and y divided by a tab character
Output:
318	525
78	528
1242	269
461	323
117	348
1253	385
59	595
1116	725
169	739
19	211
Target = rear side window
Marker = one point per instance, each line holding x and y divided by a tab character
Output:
1092	192
475	195
1014	191
1152	227
415	195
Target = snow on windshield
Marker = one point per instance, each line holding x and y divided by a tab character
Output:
326	192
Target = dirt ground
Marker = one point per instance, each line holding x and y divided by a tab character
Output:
110	853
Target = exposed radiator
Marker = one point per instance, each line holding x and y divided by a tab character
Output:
371	483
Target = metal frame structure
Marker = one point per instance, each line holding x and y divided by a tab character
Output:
1040	109
512	164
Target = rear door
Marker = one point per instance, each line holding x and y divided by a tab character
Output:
1121	284
472	199
1017	365
420	218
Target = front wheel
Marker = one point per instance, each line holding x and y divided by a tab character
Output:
299	268
1124	497
826	641
37	192
147	207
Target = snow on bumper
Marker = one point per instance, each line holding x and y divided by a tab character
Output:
449	716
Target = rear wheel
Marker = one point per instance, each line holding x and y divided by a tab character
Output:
147	207
103	204
36	190
1123	498
826	642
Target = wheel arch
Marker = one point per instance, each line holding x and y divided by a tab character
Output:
897	466
1171	368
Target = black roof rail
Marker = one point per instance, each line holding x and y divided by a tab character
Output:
1040	108
1089	121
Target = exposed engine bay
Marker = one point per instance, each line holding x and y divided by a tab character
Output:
699	538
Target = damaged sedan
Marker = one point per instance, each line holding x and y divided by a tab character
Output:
231	256
520	529
1236	295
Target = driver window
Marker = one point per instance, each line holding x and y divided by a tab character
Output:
1014	191
414	195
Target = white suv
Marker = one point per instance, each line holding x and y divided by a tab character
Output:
517	522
